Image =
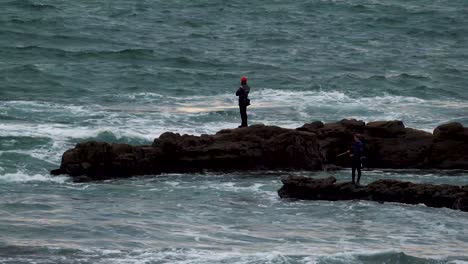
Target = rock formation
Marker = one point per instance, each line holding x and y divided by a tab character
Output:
314	146
257	147
389	144
454	197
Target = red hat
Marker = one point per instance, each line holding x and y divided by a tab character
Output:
244	79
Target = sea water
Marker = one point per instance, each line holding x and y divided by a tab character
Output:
127	71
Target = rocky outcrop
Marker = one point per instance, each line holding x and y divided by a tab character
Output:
314	146
257	147
389	144
450	196
449	148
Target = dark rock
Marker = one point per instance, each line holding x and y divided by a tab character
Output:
450	196
388	144
251	148
336	138
385	128
449	148
461	204
451	131
299	187
311	127
409	149
56	172
331	167
357	125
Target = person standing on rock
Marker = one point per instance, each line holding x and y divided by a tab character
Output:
356	153
244	101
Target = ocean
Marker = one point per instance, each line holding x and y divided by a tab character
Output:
128	71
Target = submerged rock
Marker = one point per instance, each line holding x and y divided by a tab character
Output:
450	196
314	146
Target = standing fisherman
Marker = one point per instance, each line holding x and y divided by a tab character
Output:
244	101
356	153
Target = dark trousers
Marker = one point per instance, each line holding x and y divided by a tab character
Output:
356	165
243	113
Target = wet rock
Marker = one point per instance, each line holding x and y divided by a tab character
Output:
56	172
461	204
450	196
388	144
335	138
253	148
449	149
331	167
452	130
314	146
311	126
357	125
385	128
407	149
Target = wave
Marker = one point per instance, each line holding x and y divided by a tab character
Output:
44	130
433	33
134	121
21	176
133	53
20	143
64	133
33	22
390	81
29	77
27	69
46	254
279	98
30	5
304	106
127	138
117	54
323	103
73	41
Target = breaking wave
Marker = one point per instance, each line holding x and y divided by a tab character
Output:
188	256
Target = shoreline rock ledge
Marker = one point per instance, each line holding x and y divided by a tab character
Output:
384	190
314	146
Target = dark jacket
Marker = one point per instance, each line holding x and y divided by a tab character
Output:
243	93
357	149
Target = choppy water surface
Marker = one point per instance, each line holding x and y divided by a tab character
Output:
233	218
128	71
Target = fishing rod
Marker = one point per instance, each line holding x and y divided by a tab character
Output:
339	155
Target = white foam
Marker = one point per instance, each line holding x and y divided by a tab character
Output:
310	105
326	98
63	132
141	118
147	119
188	256
21	176
235	187
39	106
172	183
